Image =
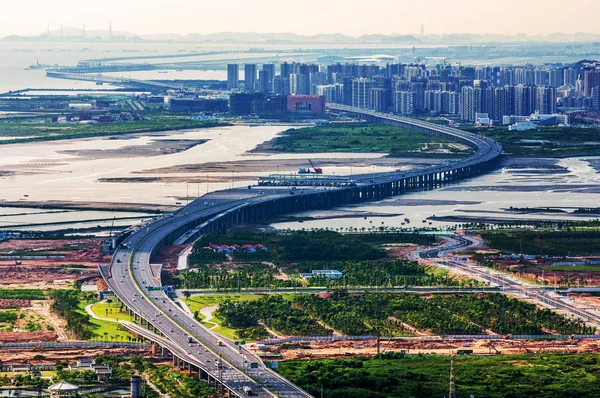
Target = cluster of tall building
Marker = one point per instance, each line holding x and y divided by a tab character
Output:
416	89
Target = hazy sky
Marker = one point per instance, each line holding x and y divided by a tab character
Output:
352	17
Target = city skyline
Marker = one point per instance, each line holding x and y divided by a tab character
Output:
334	17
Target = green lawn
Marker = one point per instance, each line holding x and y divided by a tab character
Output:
196	303
111	310
106	330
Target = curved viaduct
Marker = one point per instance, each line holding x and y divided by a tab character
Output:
136	282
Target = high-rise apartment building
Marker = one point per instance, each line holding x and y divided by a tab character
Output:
591	79
378	99
233	76
524	100
545	100
250	77
360	92
595	94
265	78
556	78
300	83
404	102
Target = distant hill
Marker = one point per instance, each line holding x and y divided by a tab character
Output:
76	35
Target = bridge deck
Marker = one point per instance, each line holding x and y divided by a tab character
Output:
130	272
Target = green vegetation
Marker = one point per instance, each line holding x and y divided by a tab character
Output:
392	315
33	326
66	305
36	131
167	379
397	375
27	294
70	304
366	137
8	316
527	210
7	320
196	303
587	210
563	141
249	276
23	380
559	243
571	268
112	310
178	384
383	273
360	256
276	312
315	245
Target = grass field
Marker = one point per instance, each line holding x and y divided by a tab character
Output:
106	330
564	141
111	310
560	243
365	137
36	131
572	268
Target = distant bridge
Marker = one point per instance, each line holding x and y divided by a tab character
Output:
121	81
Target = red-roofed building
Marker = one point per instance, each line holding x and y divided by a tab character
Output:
249	248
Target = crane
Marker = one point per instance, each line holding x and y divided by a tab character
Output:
308	170
317	170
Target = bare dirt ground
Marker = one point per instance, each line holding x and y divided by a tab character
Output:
327	349
268	165
49	317
10	356
280	274
79	260
14	303
26	337
109	206
401	250
168	256
37	276
153	148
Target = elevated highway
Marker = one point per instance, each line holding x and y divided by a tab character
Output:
132	278
120	81
508	283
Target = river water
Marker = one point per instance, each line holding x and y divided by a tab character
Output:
566	184
72	171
